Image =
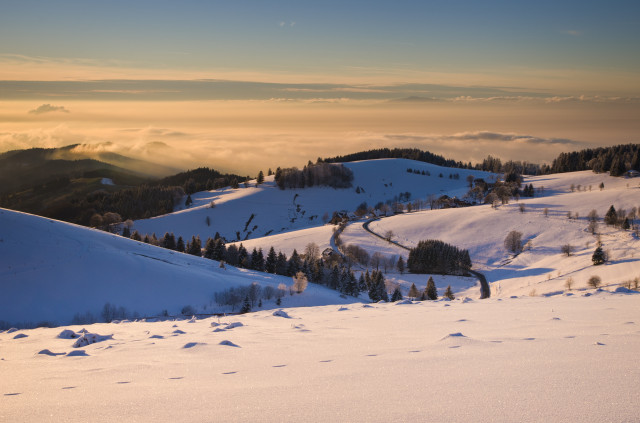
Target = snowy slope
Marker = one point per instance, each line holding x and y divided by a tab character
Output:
51	270
558	359
542	269
277	211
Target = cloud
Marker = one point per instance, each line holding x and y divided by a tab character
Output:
47	108
485	136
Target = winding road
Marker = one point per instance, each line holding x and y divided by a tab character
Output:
485	291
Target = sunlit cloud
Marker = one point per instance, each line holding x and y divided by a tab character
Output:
48	108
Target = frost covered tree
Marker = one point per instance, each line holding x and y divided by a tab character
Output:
300	282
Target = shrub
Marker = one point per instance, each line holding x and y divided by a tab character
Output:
567	249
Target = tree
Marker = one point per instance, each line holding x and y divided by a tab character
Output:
270	264
569	283
180	245
295	264
300	282
397	295
470	179
388	235
413	291
430	291
448	293
260	178
311	251
195	246
601	186
567	249
594	281
611	218
513	242
598	256
189	201
246	307
400	265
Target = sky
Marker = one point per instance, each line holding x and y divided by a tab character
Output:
294	80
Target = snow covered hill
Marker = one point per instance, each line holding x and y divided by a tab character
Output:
51	271
254	212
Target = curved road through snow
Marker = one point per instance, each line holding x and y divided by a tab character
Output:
485	291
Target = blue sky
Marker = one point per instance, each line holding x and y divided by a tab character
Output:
328	38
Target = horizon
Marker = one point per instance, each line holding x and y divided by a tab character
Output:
247	86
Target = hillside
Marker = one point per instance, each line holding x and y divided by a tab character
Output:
52	271
254	212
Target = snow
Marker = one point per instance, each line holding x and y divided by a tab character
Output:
50	271
534	351
525	359
107	181
277	211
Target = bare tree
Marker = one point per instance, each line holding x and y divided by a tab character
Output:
311	251
513	242
567	249
594	281
388	235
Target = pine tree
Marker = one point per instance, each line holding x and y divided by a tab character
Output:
246	307
413	291
295	264
169	241
208	249
397	295
334	278
126	232
219	249
243	255
189	201
448	293
260	178
626	225
400	265
362	284
598	256
281	264
136	236
195	246
611	218
179	245
270	264
431	292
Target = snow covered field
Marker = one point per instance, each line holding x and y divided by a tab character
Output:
528	359
535	351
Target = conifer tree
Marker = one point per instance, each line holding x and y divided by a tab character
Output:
400	265
243	254
334	278
413	291
208	249
598	256
431	292
448	293
611	218
195	246
397	295
179	245
219	249
136	236
270	264
246	307
281	264
260	178
362	284
126	232
295	264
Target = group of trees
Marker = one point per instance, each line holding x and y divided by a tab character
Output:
434	256
319	174
616	160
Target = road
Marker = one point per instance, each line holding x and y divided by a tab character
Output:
485	290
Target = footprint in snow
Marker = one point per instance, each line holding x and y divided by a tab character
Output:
570	336
123	382
178	332
156	337
229	344
68	387
229	373
414	351
280	365
326	361
20	335
176	378
12	394
371	355
599	343
528	339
